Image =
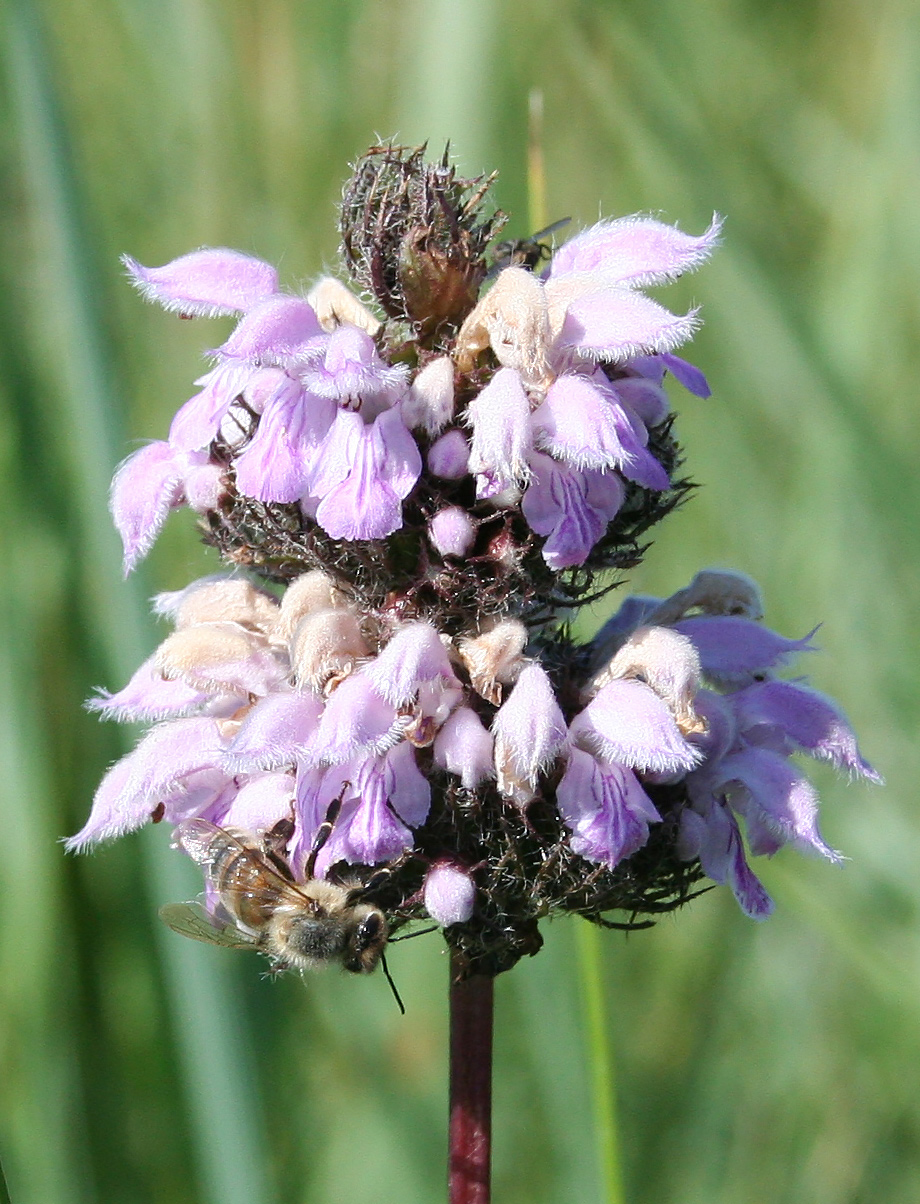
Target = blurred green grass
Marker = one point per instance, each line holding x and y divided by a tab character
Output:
751	1061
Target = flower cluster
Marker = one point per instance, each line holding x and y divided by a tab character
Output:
435	490
273	709
306	411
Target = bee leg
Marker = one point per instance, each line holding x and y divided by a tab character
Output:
324	831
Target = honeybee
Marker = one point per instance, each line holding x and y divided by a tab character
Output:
301	925
524	252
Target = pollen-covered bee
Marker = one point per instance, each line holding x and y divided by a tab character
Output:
524	252
302	925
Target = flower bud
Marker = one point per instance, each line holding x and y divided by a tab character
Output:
714	592
449	894
335	304
305	595
449	456
494	658
220	600
430	403
219	658
452	532
325	648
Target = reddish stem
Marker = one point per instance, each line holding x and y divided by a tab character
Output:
470	1153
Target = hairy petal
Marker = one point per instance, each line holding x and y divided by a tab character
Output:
636	251
199	420
502	437
616	324
148	696
808	718
208	283
145	488
463	746
732	649
275	731
628	723
279	331
414	655
529	731
356	721
775	796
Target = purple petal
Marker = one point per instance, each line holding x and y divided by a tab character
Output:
352	371
198	421
407	787
463	746
145	488
384	466
558	503
616	324
605	807
627	723
116	810
208	283
687	374
275	466
400	460
275	731
636	250
367	830
776	796
355	722
337	453
576	423
502	437
449	894
278	330
733	649
147	697
260	802
150	774
414	655
808	718
721	853
648	401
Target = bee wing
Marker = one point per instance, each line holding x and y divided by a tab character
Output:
204	842
197	837
191	919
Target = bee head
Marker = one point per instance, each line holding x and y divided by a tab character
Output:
365	941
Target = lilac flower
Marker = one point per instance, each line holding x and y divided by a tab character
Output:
384	796
440	655
571	507
605	807
363	474
627	723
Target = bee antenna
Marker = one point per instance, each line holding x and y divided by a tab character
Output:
389	977
407	936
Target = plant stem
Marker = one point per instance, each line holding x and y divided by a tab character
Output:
470	1133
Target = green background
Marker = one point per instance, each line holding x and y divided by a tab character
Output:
753	1062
